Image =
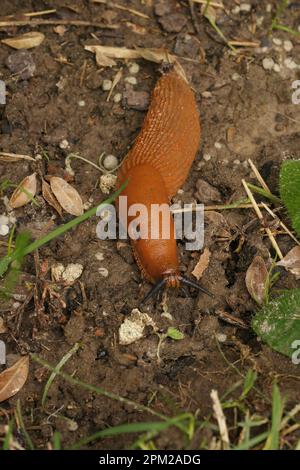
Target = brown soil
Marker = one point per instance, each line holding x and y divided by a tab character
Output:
248	112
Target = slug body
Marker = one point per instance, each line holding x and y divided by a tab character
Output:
156	167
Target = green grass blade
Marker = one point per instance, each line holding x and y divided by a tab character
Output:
277	410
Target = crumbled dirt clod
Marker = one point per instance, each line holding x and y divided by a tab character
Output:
173	23
22	64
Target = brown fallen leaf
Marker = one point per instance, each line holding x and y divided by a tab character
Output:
13	379
67	196
50	198
291	262
24	192
25	41
202	264
257	279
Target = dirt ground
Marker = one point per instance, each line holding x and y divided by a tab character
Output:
246	112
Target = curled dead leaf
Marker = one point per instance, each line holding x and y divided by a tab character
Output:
257	279
24	192
13	379
291	262
202	264
25	41
50	198
67	196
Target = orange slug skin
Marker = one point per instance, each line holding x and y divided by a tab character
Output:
158	164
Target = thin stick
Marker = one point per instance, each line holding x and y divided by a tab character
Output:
5	24
215	208
258	176
219	414
130	10
261	219
211	4
35	13
244	43
280	222
10	157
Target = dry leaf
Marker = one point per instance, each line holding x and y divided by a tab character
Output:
136	28
13	379
24	192
202	264
257	279
14	157
25	41
103	61
50	198
66	195
291	262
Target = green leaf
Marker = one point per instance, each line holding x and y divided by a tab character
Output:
278	323
290	190
249	382
173	333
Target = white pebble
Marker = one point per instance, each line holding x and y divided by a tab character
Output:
117	97
64	144
134	68
235	77
107	183
245	7
290	63
269	8
106	85
276	68
277	41
180	191
221	337
110	162
99	256
4	230
103	272
218	145
260	20
206	94
235	10
207	157
131	80
288	45
81	103
268	63
4	220
236	162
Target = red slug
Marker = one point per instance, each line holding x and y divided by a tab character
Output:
156	167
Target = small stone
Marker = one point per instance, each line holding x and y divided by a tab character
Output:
131	80
245	7
277	41
106	85
4	230
206	94
74	329
276	68
138	100
107	183
162	8
206	193
173	23
64	144
290	63
269	8
134	68
218	145
236	162
99	256
268	63
110	162
117	98
207	157
4	220
81	103
235	10
132	329
22	64
288	45
260	20
103	272
221	337
235	77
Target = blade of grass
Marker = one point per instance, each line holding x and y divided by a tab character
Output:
263	192
61	363
8	435
21	425
277	410
56	441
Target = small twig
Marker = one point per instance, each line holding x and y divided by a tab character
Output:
5	24
280	222
11	157
82	75
219	414
215	208
116	80
258	176
34	13
244	43
261	219
212	4
130	10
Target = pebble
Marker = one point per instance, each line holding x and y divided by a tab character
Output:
162	8
235	77
206	94
134	68
4	220
288	45
246	7
110	162
107	183
207	157
117	98
131	80
4	230
106	85
268	63
221	337
236	10
138	100
290	63
22	64
64	144
276	68
99	256
277	41
103	272
173	23
81	103
269	8
218	145
236	162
